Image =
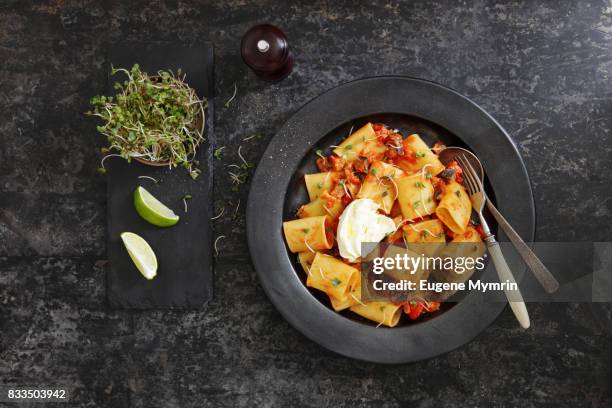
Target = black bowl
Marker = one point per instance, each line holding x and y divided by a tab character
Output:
277	190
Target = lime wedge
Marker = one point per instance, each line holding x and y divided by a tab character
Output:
141	253
152	210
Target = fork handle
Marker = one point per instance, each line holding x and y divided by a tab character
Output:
503	271
541	272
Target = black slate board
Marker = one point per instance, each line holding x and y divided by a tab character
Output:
184	277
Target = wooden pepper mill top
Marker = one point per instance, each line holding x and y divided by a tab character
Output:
264	48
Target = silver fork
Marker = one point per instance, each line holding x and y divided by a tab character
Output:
478	198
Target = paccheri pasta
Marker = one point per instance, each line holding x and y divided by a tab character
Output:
406	180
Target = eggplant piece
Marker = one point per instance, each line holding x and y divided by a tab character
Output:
447	173
474	218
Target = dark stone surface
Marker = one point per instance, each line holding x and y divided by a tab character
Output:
541	68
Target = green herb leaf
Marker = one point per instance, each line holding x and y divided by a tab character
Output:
218	152
335	282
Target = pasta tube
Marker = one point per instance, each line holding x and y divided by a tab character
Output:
317	183
305	259
323	205
308	234
353	297
426	237
415	196
360	143
423	156
386	313
380	186
455	208
421	273
332	276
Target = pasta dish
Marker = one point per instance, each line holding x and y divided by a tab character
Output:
377	185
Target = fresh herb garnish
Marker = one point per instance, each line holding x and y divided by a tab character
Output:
335	282
185	198
419	184
419	155
255	136
241	175
155	118
218	152
149	178
220	237
458	193
227	104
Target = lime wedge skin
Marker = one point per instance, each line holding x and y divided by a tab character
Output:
141	253
152	210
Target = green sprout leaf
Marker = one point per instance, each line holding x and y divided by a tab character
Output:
218	151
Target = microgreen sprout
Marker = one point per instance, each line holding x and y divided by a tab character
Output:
216	244
242	158
218	151
351	131
218	215
241	175
227	104
236	209
185	198
155	118
102	169
149	178
256	135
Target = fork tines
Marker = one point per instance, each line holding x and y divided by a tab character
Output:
471	177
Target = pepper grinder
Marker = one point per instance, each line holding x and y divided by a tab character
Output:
264	48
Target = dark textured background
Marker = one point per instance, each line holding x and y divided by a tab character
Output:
542	68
